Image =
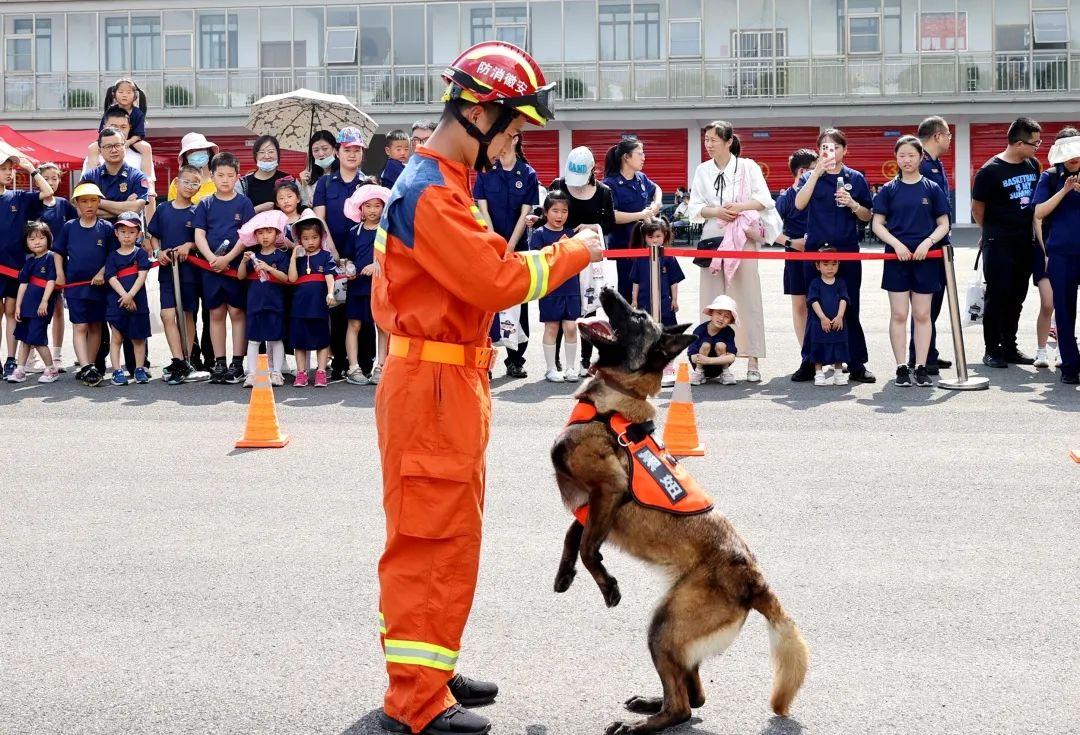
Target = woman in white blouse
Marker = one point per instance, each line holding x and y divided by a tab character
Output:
729	195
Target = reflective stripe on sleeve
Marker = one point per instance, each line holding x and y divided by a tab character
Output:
539	271
380	240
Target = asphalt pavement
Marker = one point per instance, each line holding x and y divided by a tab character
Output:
155	580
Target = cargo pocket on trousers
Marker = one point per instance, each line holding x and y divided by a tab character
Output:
437	498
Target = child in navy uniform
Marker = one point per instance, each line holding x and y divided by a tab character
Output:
34	303
365	207
84	244
827	342
217	222
793	239
16	209
713	351
172	234
127	312
56	212
911	216
309	325
648	234
266	294
397	155
563	304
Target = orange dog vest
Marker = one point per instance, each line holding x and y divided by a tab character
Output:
657	480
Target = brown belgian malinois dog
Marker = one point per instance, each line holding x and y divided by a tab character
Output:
716	580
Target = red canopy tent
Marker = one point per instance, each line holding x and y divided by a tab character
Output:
38	150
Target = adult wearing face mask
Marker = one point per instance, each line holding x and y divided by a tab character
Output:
196	150
322	160
259	185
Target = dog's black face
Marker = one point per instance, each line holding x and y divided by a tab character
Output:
630	340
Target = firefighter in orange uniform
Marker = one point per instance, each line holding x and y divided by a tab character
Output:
441	278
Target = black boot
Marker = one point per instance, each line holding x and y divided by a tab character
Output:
472	693
453	721
804	374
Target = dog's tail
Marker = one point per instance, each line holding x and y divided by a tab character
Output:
788	651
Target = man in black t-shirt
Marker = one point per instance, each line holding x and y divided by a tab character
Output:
1001	204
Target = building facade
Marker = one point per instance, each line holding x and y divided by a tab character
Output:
779	69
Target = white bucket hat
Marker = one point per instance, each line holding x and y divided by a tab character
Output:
195	142
1064	150
723	303
579	166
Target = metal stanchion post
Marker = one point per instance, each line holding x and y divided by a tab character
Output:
656	252
963	381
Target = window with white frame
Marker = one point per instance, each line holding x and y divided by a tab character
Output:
178	39
1050	29
341	35
19	43
146	42
758	44
864	33
684	28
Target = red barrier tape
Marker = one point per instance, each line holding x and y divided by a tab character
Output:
758	254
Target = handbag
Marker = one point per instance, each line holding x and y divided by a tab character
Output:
711	243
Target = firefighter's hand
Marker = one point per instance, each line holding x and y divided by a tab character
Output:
593	243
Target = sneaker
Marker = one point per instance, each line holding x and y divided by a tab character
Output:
376	374
80	371
356	376
300	381
820	378
249	382
219	373
119	377
320	379
727	378
235	374
753	376
17	375
277	379
554	376
50	375
571	376
583	371
290	366
34	363
516	371
92	378
840	378
142	375
697	377
669	377
922	377
903	376
1041	360
178	373
9	366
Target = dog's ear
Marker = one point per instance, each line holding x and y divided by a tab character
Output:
672	344
676	328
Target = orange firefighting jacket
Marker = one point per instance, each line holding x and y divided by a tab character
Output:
657	480
442	275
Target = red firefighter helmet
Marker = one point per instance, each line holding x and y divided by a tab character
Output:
495	71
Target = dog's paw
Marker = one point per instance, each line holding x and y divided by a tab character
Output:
612	595
620	728
563	579
644	705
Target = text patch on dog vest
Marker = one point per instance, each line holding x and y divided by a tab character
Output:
657	480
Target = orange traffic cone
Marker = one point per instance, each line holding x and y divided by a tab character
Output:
1075	454
262	428
680	430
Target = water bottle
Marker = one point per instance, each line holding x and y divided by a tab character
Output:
839	187
350	269
222	248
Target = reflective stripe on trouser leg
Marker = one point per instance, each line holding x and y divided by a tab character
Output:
427	581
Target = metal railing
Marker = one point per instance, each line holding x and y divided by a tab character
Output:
663	83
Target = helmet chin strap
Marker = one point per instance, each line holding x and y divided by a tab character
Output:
506	116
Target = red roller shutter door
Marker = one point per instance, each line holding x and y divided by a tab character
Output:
990	139
542	150
665	153
770	148
870	150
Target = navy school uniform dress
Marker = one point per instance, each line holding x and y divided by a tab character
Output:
1063	269
562	304
131	324
506	191
56	216
16	209
794	228
173	226
222	220
828	224
670	274
85	250
359	249
32	329
628	195
911	212
264	317
309	323
390	173
702	336
827	348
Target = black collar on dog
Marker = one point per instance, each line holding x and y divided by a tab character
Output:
638	432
